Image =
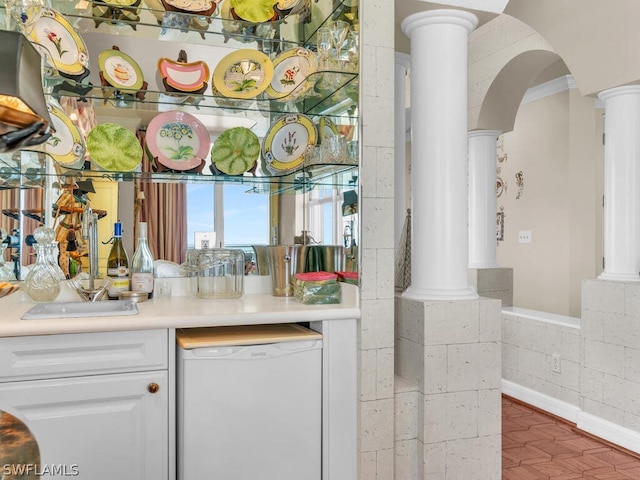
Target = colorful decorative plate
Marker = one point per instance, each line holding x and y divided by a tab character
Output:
66	48
254	11
291	70
120	70
244	73
114	148
186	77
66	146
178	141
287	141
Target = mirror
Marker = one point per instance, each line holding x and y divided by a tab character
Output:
21	201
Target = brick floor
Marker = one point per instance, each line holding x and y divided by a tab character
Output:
538	446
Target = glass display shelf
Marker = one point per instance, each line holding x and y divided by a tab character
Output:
151	20
328	93
32	172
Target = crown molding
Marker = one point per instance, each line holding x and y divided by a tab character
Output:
549	88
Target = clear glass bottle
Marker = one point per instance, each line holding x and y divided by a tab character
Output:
118	265
46	237
142	264
42	283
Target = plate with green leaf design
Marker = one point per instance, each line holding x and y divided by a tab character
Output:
244	73
178	140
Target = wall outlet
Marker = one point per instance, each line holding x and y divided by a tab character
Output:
524	236
205	240
555	363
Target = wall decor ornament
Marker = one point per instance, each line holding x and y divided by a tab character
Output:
520	184
500	225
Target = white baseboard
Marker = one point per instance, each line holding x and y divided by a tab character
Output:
544	402
612	432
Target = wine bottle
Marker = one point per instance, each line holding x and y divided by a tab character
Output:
142	264
117	265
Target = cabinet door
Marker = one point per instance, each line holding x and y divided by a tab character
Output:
103	426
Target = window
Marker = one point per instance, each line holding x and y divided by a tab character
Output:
239	219
324	216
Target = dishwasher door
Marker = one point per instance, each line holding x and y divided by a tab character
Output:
250	412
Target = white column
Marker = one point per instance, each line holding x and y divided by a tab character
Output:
439	169
621	184
482	198
402	64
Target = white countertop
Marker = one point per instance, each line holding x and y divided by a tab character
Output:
180	312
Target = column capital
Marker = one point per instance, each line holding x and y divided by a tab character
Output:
403	60
619	91
461	18
484	133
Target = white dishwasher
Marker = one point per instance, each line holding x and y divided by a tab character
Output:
249	403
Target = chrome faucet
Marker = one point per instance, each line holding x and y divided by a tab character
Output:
90	234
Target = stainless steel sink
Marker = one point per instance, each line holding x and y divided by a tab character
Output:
81	309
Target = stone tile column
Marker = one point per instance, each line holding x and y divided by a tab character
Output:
482	198
403	61
440	236
621	184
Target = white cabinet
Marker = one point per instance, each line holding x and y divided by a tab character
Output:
105	426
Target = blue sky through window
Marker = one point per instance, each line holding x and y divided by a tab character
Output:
246	216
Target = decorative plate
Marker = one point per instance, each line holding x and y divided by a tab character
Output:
326	128
114	148
235	151
178	140
120	70
254	11
291	70
287	141
66	48
203	7
244	73
186	77
66	145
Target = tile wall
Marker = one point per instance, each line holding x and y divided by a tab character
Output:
375	343
450	351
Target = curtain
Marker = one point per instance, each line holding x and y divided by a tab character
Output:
164	207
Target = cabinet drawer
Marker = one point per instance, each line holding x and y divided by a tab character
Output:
71	355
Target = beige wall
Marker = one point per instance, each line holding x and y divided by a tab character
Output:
555	143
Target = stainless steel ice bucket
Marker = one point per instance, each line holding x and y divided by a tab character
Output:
283	261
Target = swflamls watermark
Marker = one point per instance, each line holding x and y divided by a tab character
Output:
24	469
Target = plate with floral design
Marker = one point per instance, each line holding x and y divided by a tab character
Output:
291	71
287	141
66	146
66	48
178	140
244	73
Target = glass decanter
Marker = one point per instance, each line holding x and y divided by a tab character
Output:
43	281
45	236
6	272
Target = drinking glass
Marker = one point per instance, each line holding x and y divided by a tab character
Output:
339	30
334	149
323	43
353	49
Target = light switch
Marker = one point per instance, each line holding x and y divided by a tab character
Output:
524	236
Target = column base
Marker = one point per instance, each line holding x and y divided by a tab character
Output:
415	293
619	277
483	265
